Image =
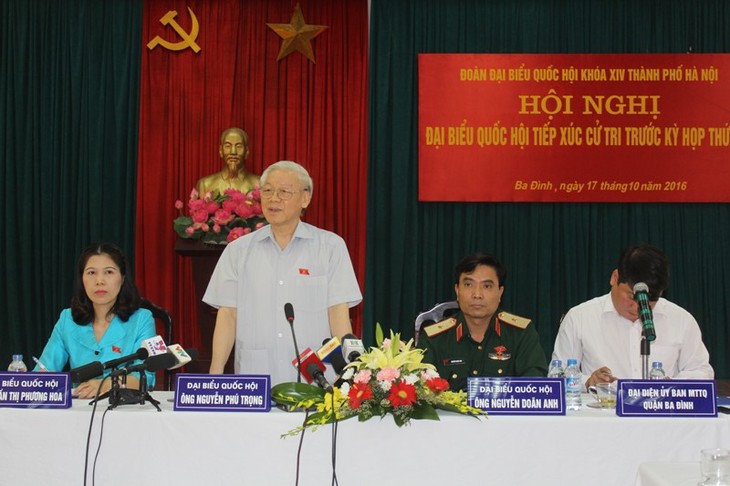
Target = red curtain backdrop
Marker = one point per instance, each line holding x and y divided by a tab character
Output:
315	114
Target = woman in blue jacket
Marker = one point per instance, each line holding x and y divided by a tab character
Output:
104	322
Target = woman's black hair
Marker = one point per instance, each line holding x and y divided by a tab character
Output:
128	300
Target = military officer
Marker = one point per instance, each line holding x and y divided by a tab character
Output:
481	339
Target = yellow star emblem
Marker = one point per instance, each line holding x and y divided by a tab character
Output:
297	35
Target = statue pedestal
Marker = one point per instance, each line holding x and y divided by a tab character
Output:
204	258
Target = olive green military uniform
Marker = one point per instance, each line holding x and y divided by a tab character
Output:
511	347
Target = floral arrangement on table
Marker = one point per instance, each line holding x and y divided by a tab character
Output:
220	218
390	378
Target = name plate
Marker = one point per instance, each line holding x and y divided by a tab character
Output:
666	398
222	393
517	396
35	390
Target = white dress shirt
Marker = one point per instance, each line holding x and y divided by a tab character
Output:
255	276
596	335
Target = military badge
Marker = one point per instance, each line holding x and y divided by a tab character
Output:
499	354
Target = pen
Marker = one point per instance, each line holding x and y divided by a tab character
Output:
40	365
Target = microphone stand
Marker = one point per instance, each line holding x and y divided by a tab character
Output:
128	396
144	393
299	360
645	352
641	296
296	350
113	394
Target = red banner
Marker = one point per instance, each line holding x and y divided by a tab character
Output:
574	127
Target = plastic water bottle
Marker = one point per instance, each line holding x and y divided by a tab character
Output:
657	372
556	369
573	399
17	363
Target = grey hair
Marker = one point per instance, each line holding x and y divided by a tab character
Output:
304	178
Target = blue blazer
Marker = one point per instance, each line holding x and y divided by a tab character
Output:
76	345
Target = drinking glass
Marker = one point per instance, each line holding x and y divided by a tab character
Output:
715	467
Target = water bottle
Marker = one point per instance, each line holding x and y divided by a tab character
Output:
573	399
556	369
657	372
17	363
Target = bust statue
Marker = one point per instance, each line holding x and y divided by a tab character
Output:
234	151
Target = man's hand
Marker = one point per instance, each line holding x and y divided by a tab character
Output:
601	375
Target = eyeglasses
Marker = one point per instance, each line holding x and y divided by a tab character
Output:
284	194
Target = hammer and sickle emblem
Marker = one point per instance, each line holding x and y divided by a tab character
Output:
188	40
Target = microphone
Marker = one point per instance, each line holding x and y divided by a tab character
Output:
141	353
289	313
352	347
311	368
331	352
152	364
182	356
318	376
86	372
96	368
155	345
641	295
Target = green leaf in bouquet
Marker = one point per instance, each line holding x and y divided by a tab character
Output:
424	411
378	334
318	418
295	394
180	224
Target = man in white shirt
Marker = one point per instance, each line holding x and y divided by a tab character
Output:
287	261
604	334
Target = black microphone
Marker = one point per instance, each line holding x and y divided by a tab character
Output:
289	313
152	364
86	372
96	368
317	375
641	295
141	353
335	358
352	347
338	364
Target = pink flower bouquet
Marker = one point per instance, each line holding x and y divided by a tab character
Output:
219	218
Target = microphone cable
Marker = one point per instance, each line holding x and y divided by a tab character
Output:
301	442
334	441
88	435
98	448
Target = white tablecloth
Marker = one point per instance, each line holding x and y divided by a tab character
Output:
669	474
141	446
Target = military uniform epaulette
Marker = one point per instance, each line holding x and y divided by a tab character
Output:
439	327
514	320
